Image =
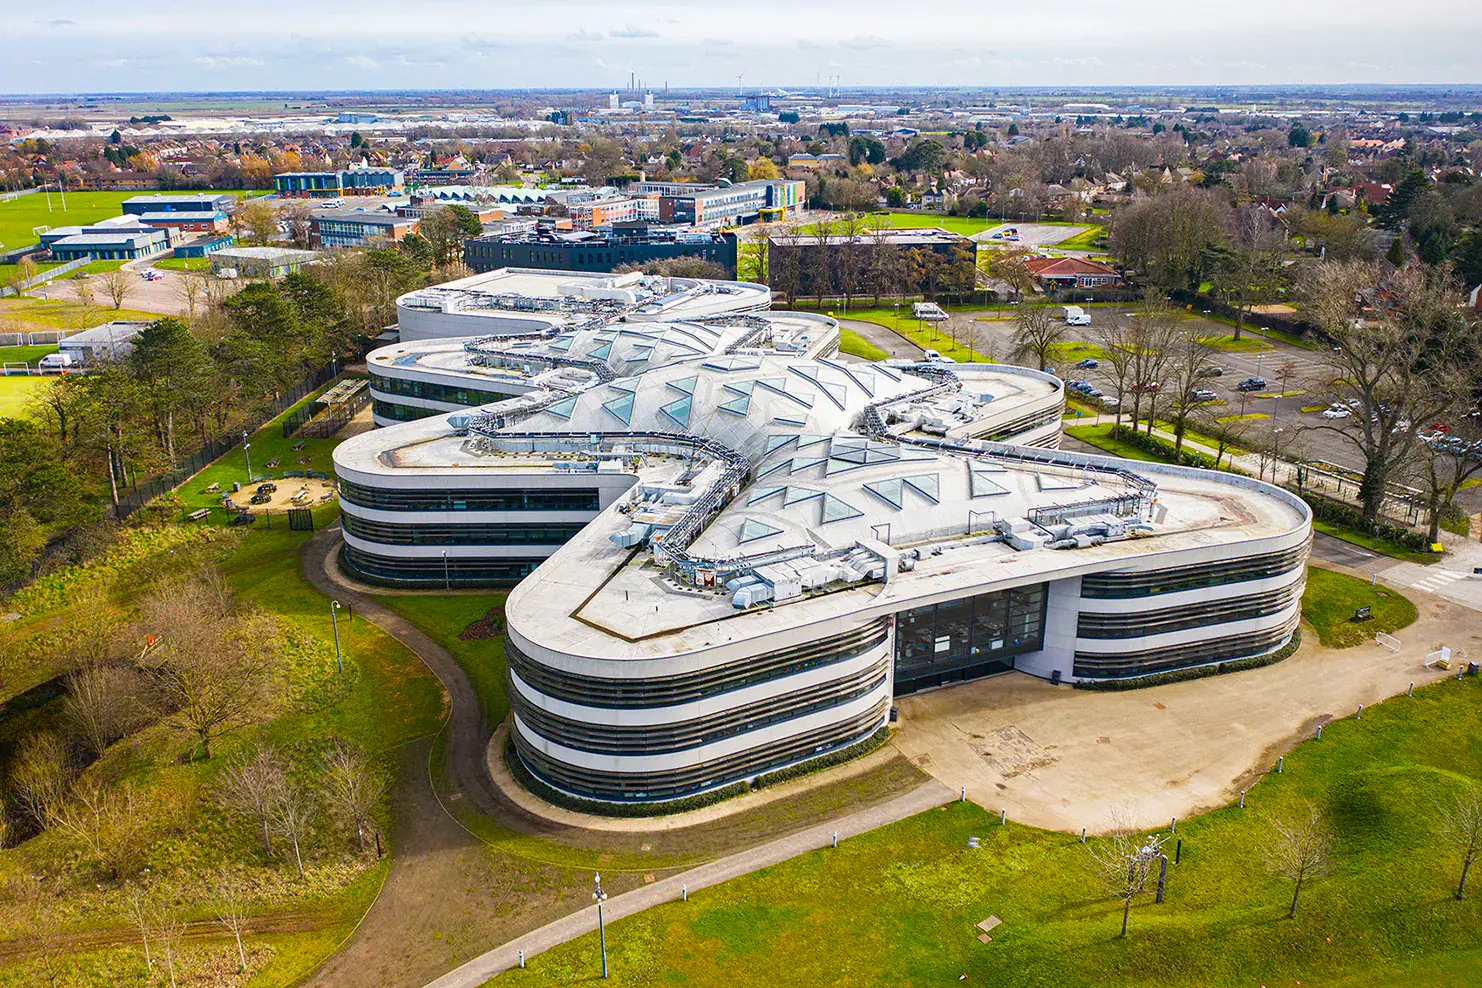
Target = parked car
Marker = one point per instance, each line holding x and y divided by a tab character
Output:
1107	401
1335	412
1202	395
1252	384
1090	363
1212	372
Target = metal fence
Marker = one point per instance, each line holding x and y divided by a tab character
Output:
46	276
140	494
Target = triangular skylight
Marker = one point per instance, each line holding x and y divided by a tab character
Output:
563	408
789	420
801	463
740	387
600	352
1054	482
796	494
925	484
804	441
621	408
762	493
684	385
982	485
739	405
889	491
775	443
751	530
835	509
679	410
628	384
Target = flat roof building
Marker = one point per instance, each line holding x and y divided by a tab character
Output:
518	301
110	341
591	251
260	262
354	228
181	202
343	182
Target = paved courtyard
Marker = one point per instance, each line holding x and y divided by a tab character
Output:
1062	758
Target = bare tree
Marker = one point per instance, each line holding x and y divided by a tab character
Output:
104	823
102	703
192	291
1189	358
352	786
1119	341
141	909
1226	436
1152	336
118	286
169	931
40	775
1035	335
249	784
1124	863
293	814
1460	819
1395	334
1300	848
211	664
231	909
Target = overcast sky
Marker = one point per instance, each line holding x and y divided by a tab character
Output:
128	45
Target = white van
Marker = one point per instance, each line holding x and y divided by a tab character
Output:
58	362
1076	316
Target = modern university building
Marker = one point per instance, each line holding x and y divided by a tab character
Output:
733	559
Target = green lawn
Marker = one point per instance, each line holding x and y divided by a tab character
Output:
19	216
1228	344
855	345
1100	436
182	264
63	311
956	224
924	335
26	354
897	906
1092	239
1331	598
16	392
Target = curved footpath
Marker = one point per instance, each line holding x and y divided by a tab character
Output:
467	761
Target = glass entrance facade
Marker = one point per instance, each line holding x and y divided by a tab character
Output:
963	639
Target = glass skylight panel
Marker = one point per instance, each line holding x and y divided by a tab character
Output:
982	485
751	530
762	493
800	463
836	509
804	441
882	369
563	408
679	410
796	494
789	420
775	443
1052	482
836	393
739	405
730	364
889	491
928	485
628	384
684	385
601	352
621	408
740	387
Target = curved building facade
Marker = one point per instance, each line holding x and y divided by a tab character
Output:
734	562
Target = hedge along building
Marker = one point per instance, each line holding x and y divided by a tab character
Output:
768	549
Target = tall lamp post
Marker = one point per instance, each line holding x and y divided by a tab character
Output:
334	622
247	449
600	895
447	583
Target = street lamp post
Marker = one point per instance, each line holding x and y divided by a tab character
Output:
247	449
447	583
334	622
600	895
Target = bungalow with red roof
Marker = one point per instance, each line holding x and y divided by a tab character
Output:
1054	273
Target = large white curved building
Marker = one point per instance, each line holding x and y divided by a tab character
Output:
731	549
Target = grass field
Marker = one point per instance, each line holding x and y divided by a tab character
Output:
1100	436
19	216
898	906
15	394
26	354
1092	239
924	335
1228	344
64	313
182	264
1331	598
855	345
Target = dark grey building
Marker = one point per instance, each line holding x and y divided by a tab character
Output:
594	251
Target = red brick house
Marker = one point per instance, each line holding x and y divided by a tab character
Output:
1058	273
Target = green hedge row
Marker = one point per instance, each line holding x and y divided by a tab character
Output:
1335	513
1196	672
686	803
1162	448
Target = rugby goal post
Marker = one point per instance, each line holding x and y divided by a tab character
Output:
1388	641
16	368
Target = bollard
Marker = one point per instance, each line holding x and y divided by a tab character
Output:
1003	817
1162	876
1173	826
1411	690
1360	714
1242	799
522	957
1083	835
1280	763
836	838
1459	670
684	893
962	798
1178	851
1319	732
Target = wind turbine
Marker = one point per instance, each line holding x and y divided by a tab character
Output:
739	77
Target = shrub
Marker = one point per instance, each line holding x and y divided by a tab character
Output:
1196	672
1163	449
1346	516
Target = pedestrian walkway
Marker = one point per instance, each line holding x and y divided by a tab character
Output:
1438	580
485	966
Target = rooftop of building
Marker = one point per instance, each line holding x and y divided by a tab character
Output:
618	235
575	298
904	237
109	332
183	215
284	254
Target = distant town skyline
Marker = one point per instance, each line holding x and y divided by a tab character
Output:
153	45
